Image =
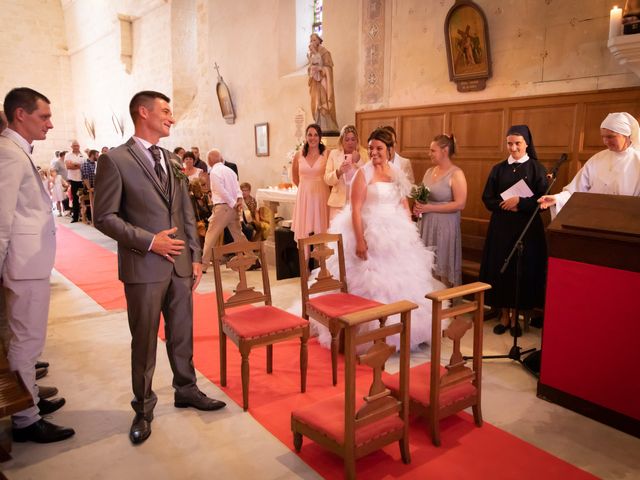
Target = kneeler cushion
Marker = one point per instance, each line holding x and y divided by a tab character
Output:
420	386
327	417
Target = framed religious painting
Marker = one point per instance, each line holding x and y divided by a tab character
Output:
467	41
262	139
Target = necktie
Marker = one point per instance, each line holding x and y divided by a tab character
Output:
160	173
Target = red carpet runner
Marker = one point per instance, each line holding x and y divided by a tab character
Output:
467	452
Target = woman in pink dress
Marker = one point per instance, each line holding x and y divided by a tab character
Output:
311	213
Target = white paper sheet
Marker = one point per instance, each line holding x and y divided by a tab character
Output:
519	189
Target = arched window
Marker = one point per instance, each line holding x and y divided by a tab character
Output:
317	17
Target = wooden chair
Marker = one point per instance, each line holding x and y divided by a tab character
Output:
353	427
439	391
260	326
14	397
328	308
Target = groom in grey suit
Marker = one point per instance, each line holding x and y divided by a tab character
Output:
142	201
27	252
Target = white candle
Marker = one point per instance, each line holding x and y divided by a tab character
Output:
615	22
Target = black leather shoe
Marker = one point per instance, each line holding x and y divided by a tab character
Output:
499	329
49	406
46	392
42	432
41	364
198	400
41	372
140	429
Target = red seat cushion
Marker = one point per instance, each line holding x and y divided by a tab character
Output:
261	321
338	304
420	386
327	417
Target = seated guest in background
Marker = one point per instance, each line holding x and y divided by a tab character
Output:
614	171
509	216
201	207
197	162
227	201
104	150
311	212
403	163
190	170
440	225
249	212
179	152
341	166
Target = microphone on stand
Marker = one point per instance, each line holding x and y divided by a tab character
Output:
554	171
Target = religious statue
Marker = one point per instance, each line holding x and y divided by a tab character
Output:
320	70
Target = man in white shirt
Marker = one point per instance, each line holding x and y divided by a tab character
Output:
403	163
227	201
73	161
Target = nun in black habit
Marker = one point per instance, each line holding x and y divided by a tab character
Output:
508	219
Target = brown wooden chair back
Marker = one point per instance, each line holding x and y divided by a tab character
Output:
262	325
337	301
354	426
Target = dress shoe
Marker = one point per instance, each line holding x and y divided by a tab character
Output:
46	392
41	364
49	406
74	221
198	400
42	432
499	329
140	429
41	372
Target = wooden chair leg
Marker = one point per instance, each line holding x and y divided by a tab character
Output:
350	468
244	373
304	360
269	358
477	414
297	441
223	359
434	425
335	339
405	454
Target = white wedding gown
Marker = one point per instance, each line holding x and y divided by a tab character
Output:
398	265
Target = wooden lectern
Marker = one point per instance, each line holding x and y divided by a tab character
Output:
591	335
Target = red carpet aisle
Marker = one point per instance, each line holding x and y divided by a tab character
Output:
467	452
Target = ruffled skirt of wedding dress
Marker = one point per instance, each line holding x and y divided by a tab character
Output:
398	267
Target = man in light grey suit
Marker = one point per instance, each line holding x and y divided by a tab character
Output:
27	252
142	201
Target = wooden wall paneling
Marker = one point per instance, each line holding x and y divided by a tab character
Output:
417	132
368	125
479	133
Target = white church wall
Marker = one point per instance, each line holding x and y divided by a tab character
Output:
537	47
34	54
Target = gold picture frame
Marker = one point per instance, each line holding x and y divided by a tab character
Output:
261	137
467	40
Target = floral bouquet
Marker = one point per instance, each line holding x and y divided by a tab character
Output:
420	193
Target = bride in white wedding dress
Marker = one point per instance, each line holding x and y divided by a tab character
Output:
385	258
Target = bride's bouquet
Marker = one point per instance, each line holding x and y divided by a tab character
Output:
420	193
